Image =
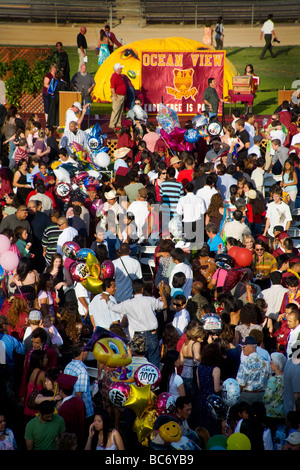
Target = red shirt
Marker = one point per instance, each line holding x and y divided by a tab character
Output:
118	84
185	176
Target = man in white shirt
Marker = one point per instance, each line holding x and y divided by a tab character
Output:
139	209
208	190
73	134
236	228
71	113
127	269
293	322
191	209
257	139
274	295
67	235
100	307
267	31
278	213
141	314
257	175
224	181
178	257
182	316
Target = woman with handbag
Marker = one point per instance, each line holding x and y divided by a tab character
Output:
35	381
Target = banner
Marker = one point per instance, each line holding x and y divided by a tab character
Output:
178	79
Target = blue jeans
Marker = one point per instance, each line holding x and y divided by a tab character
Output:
152	347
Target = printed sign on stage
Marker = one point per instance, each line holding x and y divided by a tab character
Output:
178	79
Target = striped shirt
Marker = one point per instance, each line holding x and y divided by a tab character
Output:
82	385
170	192
49	241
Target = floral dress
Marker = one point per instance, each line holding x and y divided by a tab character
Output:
273	397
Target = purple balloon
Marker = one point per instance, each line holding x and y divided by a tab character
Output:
107	269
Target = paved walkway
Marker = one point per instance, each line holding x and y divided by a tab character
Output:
47	34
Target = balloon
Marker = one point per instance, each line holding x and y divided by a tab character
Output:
78	271
83	252
143	426
4	243
242	256
233	251
217	441
93	285
90	180
165	404
107	269
214	129
230	392
62	175
211	323
118	393
70	249
238	441
111	352
168	428
139	399
199	121
217	448
80	177
102	159
67	263
9	260
192	136
93	265
63	190
147	374
217	407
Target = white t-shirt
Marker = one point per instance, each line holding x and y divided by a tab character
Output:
251	131
278	214
267	27
175	382
206	194
273	296
180	320
81	291
70	116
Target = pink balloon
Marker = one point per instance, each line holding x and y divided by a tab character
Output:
107	269
9	260
4	243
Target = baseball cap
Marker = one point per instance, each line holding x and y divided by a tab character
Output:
257	138
249	340
293	438
118	66
78	105
35	315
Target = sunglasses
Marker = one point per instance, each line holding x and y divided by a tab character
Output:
177	305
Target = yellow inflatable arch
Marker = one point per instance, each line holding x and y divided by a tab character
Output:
130	56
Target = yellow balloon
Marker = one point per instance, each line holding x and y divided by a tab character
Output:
111	352
93	285
143	426
170	432
130	56
93	265
139	399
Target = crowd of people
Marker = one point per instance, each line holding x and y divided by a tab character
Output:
168	221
